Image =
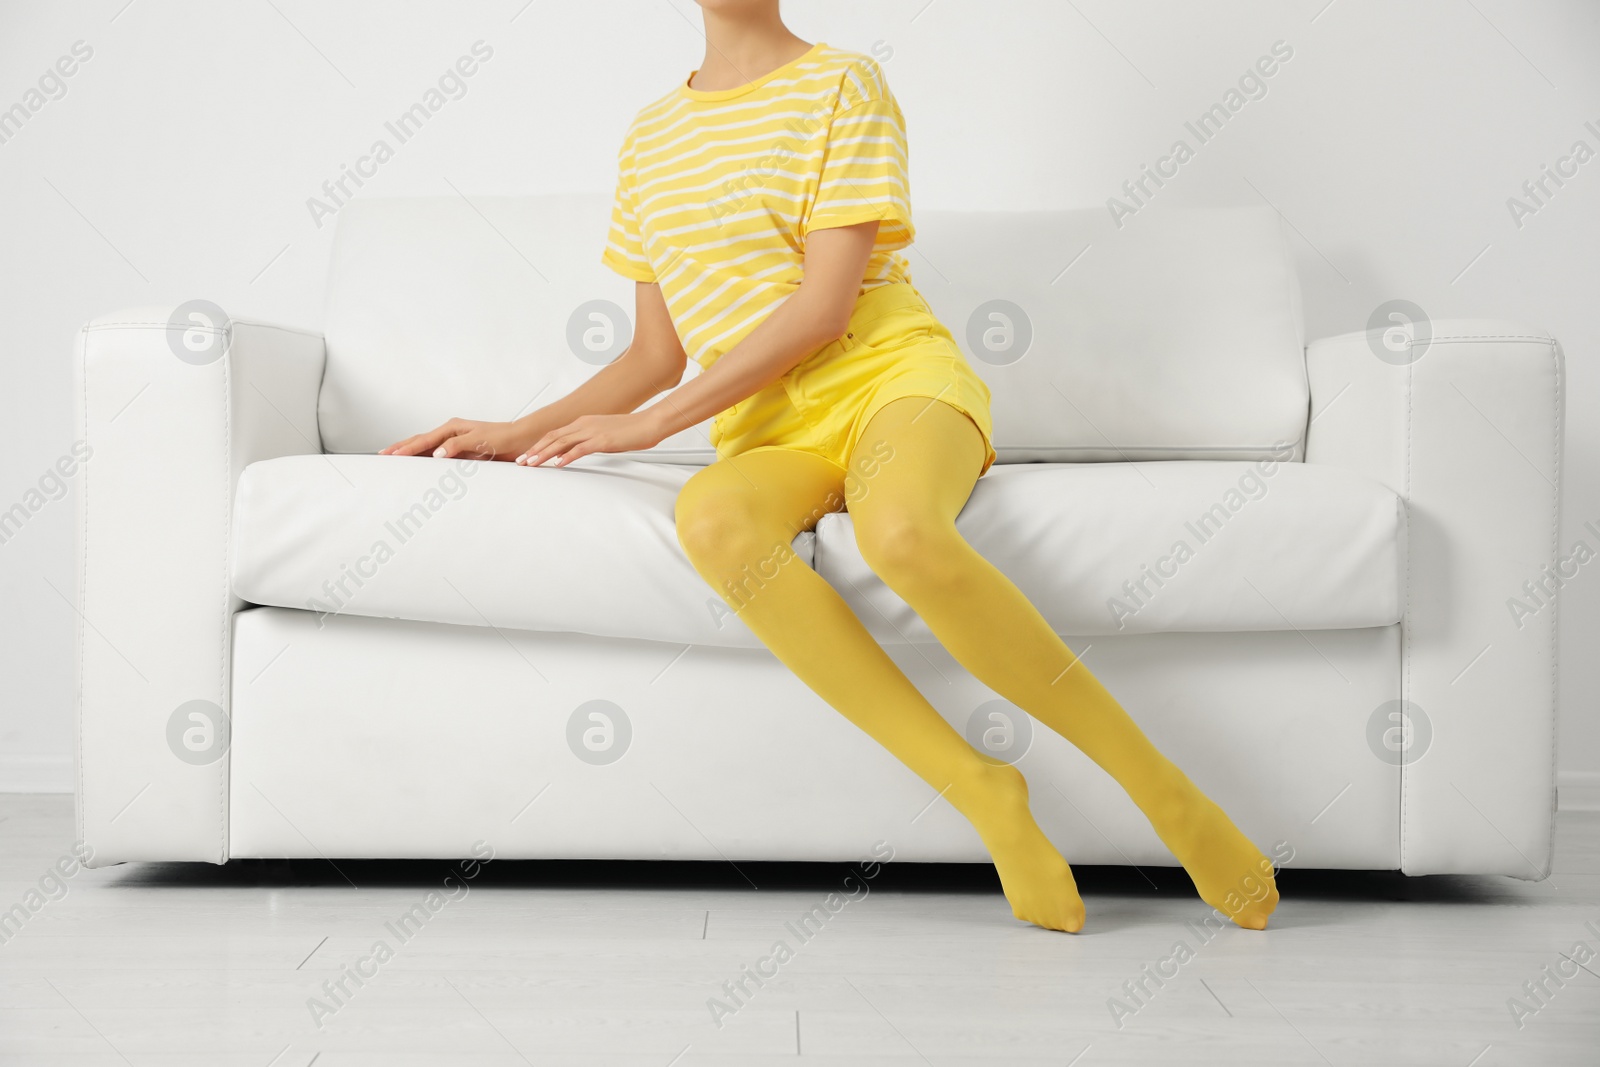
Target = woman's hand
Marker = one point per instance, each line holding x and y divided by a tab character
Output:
594	433
465	439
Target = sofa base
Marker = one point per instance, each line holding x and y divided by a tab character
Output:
379	738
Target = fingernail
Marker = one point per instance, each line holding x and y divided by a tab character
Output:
439	452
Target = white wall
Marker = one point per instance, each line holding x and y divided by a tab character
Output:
179	160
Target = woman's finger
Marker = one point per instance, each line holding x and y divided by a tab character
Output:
533	449
469	445
554	449
541	448
578	451
426	442
594	441
399	448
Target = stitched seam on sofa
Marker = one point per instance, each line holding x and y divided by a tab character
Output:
1294	299
1402	538
97	327
167	325
1540	338
1305	434
1148	448
83	569
223	665
1555	612
1406	620
316	420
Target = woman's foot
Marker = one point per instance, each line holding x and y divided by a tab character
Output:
1228	871
1037	881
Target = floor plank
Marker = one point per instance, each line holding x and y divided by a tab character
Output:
657	964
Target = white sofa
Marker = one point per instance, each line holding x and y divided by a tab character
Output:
415	655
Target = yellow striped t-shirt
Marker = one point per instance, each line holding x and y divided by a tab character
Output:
717	190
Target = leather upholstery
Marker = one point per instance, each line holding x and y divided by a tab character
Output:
1096	546
1470	434
168	441
1182	339
383	738
1177	340
592	548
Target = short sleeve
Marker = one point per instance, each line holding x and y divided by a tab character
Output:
864	173
624	252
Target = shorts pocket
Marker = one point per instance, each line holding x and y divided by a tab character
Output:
894	327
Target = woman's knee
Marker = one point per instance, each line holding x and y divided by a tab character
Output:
905	547
718	525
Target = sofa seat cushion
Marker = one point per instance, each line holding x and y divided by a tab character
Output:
589	548
1183	545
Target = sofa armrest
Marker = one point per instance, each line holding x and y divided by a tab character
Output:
168	415
1466	425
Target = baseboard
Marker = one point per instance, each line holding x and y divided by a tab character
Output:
35	774
1578	790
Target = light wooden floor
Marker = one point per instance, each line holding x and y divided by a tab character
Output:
602	964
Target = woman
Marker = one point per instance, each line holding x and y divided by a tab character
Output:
760	208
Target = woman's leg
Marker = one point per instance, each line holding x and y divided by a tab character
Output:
905	527
736	520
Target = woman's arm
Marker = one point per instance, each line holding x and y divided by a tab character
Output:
818	312
653	363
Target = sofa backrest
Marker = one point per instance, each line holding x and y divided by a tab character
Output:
1176	336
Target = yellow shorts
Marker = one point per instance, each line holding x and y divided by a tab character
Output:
894	347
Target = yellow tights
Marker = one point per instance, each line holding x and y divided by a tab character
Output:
909	478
